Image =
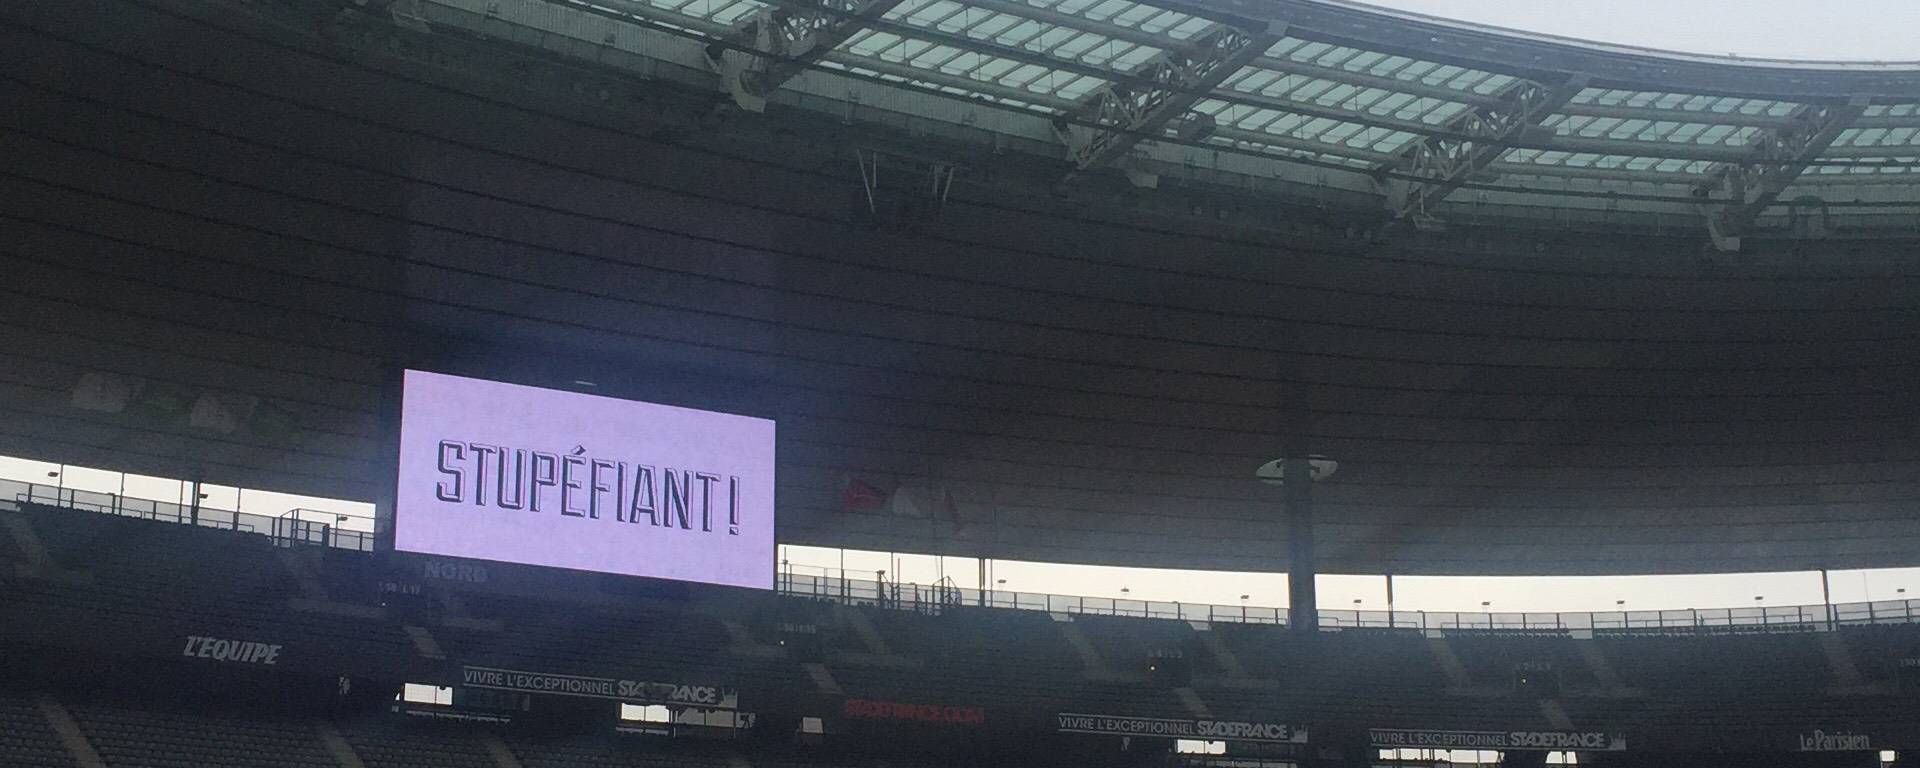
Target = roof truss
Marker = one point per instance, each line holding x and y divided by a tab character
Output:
1114	118
787	39
1776	157
1430	169
1421	126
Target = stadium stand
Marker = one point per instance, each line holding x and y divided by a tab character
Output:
127	583
1003	657
626	641
1732	690
1491	657
154	737
1730	667
615	752
385	744
26	740
1126	644
1878	650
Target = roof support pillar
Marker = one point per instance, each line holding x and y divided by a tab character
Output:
1303	604
1111	120
1431	168
786	39
1777	157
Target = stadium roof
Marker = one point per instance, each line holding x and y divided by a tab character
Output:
234	221
1315	93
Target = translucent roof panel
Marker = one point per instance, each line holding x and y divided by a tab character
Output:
1633	129
969	65
1145	18
1062	42
1901	166
1310	92
1876	152
1626	165
1893	110
1901	138
1297	130
727	12
1376	64
1704	106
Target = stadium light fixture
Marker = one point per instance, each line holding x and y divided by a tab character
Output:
1318	468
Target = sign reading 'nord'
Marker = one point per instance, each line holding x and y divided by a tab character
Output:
519	474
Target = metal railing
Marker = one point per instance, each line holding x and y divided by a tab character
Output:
333	534
1792	618
313	527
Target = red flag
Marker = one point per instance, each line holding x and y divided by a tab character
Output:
952	508
862	496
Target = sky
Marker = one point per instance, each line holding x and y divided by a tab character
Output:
1501	594
1855	30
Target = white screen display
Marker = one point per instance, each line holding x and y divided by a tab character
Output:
521	474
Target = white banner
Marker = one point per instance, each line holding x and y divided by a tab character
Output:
1212	730
639	692
1555	741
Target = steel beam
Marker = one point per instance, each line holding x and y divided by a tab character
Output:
1774	159
787	39
1656	114
1261	138
1433	167
1164	88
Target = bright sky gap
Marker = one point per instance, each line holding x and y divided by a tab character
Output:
1337	592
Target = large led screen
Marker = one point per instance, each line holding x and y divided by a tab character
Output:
538	476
